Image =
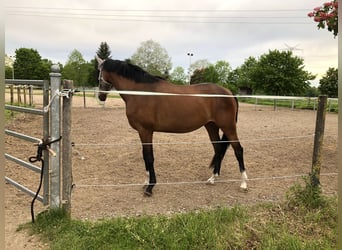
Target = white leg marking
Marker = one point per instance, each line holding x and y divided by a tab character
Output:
212	179
243	185
147	180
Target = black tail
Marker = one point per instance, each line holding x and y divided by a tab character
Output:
237	109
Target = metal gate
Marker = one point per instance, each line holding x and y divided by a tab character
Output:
51	132
44	85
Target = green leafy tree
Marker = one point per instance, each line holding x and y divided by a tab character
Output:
205	75
178	76
198	76
219	73
8	72
29	65
153	58
281	73
76	68
243	76
312	92
8	67
223	71
328	85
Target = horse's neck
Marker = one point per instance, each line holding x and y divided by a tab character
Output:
121	83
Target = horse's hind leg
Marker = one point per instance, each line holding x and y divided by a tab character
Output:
146	139
220	148
238	150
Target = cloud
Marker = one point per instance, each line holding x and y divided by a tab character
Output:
203	28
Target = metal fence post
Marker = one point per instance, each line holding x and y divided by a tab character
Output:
67	150
46	134
55	178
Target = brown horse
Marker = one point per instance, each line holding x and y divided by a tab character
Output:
165	107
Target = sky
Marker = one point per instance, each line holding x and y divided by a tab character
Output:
209	29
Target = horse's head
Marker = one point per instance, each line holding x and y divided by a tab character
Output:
104	86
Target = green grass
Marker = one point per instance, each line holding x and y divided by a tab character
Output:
296	223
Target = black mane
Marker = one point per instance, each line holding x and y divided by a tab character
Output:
129	71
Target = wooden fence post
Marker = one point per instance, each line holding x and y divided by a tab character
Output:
11	94
84	98
67	150
25	93
318	141
19	95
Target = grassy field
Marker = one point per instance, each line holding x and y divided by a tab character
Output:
305	220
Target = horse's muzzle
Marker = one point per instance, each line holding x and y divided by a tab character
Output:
102	97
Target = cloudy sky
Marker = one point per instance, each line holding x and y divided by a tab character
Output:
210	29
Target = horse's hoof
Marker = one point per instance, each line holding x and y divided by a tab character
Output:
211	181
148	193
244	189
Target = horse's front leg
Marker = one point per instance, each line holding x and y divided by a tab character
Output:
146	139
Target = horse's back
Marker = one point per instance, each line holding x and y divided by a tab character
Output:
183	113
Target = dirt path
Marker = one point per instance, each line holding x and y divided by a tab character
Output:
108	177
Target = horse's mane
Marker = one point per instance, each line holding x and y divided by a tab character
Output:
130	71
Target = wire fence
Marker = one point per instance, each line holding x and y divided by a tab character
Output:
293	102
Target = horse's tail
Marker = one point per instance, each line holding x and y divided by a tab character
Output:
237	109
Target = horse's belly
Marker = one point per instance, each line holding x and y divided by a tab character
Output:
179	125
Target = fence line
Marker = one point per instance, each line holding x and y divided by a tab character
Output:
198	182
95	91
150	93
190	142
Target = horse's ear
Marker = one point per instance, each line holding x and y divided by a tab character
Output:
99	60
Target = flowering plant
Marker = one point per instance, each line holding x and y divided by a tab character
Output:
326	16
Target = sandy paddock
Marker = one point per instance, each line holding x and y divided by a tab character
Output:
108	167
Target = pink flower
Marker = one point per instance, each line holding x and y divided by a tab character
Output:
327	4
323	15
311	14
317	19
317	9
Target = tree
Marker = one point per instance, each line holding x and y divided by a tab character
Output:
281	73
8	72
205	75
199	64
219	73
8	67
326	16
243	75
103	52
223	71
328	85
153	58
29	65
178	76
76	68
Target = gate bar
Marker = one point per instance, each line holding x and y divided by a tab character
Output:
22	136
23	163
24	82
22	188
25	110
